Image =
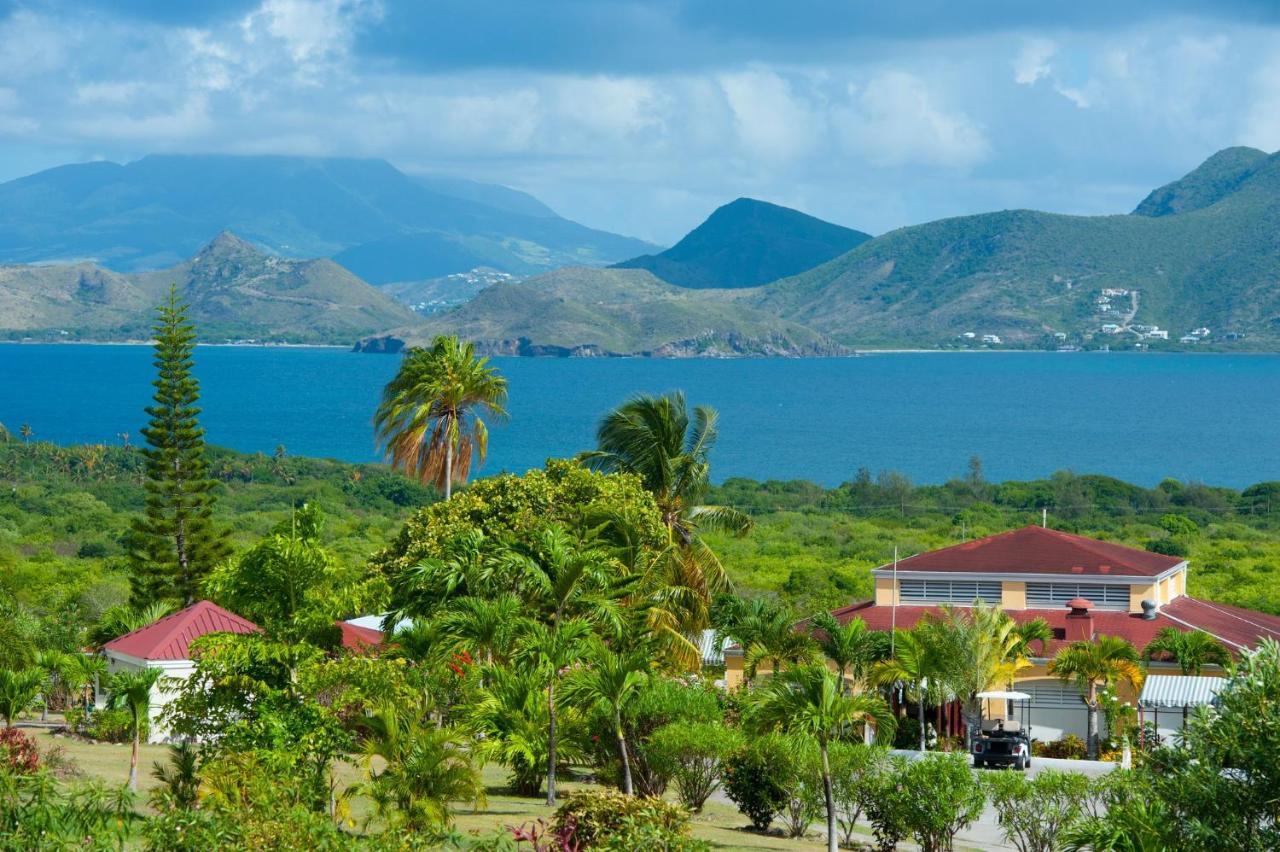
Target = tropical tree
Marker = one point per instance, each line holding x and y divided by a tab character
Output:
423	769
175	543
1087	664
549	649
132	691
918	666
654	438
852	648
26	432
5	435
766	633
1192	649
53	663
429	420
611	680
120	619
486	628
810	701
18	691
81	673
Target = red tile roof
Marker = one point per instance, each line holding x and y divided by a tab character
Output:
170	637
359	639
1237	628
1035	550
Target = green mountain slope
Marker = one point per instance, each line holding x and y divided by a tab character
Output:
1213	180
381	223
577	311
236	291
748	242
1023	274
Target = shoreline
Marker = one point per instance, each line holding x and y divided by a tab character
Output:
152	343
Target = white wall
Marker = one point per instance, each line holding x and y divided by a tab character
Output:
161	695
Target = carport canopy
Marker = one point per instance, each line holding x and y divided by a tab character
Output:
1179	690
1007	696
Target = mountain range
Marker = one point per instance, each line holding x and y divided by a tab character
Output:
235	291
379	222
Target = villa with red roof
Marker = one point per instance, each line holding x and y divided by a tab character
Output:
1081	586
166	644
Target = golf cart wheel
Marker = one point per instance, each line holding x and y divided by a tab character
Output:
1020	764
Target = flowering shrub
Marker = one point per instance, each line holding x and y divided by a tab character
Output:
18	752
607	819
1069	747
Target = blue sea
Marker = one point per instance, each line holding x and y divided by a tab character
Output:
1141	417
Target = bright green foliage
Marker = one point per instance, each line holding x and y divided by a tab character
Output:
420	769
765	631
692	754
610	681
132	691
1106	660
429	420
177	781
947	798
775	774
1034	813
18	691
919	663
852	767
37	812
511	711
608	820
175	543
851	647
1191	649
292	586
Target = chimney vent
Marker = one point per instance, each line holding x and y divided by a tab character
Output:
1079	621
1149	610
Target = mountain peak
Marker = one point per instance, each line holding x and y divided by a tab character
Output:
1207	184
227	244
748	242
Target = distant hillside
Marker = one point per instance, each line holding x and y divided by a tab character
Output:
435	295
748	242
1203	252
235	290
610	312
379	222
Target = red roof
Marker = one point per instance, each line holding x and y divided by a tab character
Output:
170	637
1237	628
1036	550
359	639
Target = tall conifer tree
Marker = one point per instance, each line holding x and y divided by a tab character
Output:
175	543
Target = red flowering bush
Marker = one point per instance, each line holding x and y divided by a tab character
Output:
18	753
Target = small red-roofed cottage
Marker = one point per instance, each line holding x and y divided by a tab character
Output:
1081	586
166	644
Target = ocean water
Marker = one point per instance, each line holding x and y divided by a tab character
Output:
1140	417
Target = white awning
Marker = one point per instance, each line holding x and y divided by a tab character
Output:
1007	696
1179	690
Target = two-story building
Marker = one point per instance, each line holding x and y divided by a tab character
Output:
1082	587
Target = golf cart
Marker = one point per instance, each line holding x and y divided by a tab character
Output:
1005	741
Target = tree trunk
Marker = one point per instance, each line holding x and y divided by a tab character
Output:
133	756
626	758
1092	729
924	745
551	741
829	795
448	468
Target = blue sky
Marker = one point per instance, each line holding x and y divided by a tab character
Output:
641	117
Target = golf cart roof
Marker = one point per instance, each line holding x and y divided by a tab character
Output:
1008	696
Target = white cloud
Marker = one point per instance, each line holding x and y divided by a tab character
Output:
895	121
771	120
1032	61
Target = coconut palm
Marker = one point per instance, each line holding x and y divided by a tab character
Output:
132	691
429	420
810	701
655	439
852	648
1192	649
1087	664
18	691
610	680
918	666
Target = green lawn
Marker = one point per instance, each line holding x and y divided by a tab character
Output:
719	824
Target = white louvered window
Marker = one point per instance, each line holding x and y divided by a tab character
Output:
1047	694
958	592
1055	595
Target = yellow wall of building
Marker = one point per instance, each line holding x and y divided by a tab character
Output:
884	591
1137	594
1013	595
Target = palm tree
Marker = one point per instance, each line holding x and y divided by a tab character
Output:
918	666
82	673
1105	660
132	691
766	633
429	422
653	438
851	647
485	628
1192	650
120	619
611	680
810	701
178	781
18	691
424	768
550	649
53	664
26	432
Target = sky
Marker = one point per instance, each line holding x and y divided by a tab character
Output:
642	117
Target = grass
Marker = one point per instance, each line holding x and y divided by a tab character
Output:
719	824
